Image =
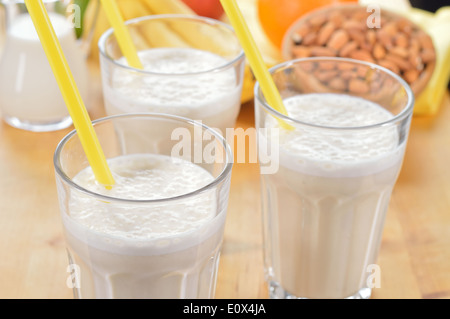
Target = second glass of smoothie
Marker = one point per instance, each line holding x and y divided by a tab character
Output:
157	232
339	150
193	67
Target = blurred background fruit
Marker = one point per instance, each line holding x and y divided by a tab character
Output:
276	16
207	8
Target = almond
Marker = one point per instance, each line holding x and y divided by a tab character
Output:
338	84
371	37
301	51
327	65
389	65
325	33
326	75
322	51
356	35
303	29
338	39
352	24
337	18
427	55
401	63
401	52
401	40
416	61
425	40
362	55
309	39
318	20
384	38
348	48
379	52
411	75
358	86
347	75
391	28
344	66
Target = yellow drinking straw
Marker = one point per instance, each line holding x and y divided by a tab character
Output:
122	35
69	90
254	57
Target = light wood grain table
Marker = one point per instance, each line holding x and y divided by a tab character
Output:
414	257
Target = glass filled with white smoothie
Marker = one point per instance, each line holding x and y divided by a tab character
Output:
157	232
30	98
192	67
334	159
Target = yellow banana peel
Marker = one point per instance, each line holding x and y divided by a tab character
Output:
158	34
437	25
168	7
96	22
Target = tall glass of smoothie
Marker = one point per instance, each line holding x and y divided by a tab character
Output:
157	232
335	158
193	67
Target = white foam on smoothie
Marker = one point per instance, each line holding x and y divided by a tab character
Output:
343	152
203	94
145	177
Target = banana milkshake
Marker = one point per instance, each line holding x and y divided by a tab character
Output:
192	67
125	252
323	231
157	232
169	88
324	208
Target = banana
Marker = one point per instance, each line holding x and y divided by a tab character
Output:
158	34
197	36
131	9
97	23
139	40
168	6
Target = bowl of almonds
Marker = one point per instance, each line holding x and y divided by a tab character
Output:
352	31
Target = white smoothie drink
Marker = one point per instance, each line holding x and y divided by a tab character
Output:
28	89
178	81
169	249
328	200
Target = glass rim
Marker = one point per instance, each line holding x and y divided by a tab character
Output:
212	22
405	112
228	164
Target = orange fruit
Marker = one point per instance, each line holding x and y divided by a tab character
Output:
276	16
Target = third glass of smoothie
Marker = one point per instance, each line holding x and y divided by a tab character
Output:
337	153
193	67
157	232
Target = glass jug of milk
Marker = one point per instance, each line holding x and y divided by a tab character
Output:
30	98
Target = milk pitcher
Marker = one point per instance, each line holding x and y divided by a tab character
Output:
30	97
